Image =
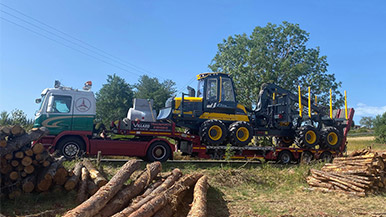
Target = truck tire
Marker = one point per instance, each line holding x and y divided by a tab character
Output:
308	137
285	157
326	157
158	151
213	132
71	147
240	133
330	138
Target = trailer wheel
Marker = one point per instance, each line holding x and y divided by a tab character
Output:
71	147
285	157
213	132
158	151
306	157
240	133
326	157
307	137
331	138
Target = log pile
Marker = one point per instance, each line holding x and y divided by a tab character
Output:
149	194
361	173
29	168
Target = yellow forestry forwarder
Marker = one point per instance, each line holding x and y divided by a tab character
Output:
215	115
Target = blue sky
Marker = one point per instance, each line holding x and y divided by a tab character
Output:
177	40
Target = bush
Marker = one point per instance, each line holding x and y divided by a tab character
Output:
380	128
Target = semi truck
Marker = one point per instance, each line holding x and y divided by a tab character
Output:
199	124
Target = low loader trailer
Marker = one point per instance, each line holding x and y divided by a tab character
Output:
69	115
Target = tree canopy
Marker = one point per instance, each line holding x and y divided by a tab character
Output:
151	88
380	128
367	122
275	54
114	99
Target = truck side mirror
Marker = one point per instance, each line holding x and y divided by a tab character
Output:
38	100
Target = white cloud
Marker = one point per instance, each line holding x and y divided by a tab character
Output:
364	110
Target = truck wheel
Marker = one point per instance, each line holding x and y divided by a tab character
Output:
331	138
240	133
285	157
71	146
307	137
306	157
158	151
326	157
213	132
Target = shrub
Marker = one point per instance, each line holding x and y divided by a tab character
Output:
380	128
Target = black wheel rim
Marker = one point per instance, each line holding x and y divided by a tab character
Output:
71	149
159	152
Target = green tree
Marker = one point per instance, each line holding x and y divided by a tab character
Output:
367	122
380	128
19	117
113	100
151	88
279	55
4	118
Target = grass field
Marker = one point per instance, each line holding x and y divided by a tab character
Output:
242	190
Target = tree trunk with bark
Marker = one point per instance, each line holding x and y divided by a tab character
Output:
95	175
82	192
199	198
74	179
96	202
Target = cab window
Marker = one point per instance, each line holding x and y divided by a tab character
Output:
200	89
227	93
211	94
59	104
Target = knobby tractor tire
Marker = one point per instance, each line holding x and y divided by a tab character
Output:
284	141
240	133
213	132
308	137
331	138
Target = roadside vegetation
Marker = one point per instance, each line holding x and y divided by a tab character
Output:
240	190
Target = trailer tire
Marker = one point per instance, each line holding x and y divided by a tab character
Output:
330	138
306	157
326	157
71	147
285	157
240	133
213	132
158	151
308	137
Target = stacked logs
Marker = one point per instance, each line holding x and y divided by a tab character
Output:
359	174
29	168
149	193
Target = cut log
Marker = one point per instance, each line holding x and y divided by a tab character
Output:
44	180
5	169
57	189
148	191
73	180
97	177
353	185
14	194
25	139
14	175
199	198
155	204
19	154
29	152
28	183
46	163
26	161
6	130
29	169
38	148
123	197
96	202
92	188
23	174
9	156
176	174
17	130
60	176
15	163
82	192
3	143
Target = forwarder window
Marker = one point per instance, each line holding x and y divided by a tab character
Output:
212	90
60	104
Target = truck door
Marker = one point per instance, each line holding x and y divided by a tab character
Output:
58	113
84	112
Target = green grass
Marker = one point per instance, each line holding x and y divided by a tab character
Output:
240	190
